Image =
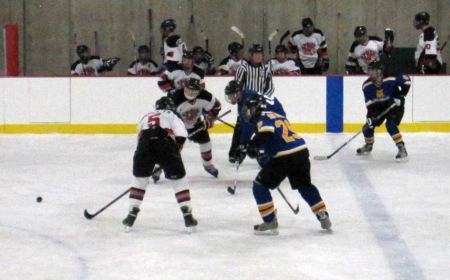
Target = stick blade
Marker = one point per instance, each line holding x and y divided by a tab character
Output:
273	34
87	215
238	31
321	157
296	210
231	190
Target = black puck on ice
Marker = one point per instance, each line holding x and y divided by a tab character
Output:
39	199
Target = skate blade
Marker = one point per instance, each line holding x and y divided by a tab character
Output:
127	229
266	232
400	160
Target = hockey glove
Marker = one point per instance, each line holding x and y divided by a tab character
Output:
325	64
254	152
399	101
110	62
208	57
240	153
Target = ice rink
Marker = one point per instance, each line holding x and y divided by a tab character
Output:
390	220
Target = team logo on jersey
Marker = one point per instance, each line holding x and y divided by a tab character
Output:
190	116
144	72
369	55
380	93
88	71
308	48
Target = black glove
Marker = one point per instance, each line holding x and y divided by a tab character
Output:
110	62
254	152
389	35
325	64
208	57
240	153
399	101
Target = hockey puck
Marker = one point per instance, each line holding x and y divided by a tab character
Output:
38	199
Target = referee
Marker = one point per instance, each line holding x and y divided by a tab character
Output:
255	75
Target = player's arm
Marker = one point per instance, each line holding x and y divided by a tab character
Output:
212	114
179	131
351	64
165	82
268	87
241	74
260	138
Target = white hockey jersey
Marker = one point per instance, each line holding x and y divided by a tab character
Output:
287	67
179	77
428	46
137	68
173	48
309	46
165	119
228	66
92	68
365	54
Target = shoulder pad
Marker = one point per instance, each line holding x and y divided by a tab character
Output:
428	34
375	38
353	46
74	65
297	33
318	31
172	41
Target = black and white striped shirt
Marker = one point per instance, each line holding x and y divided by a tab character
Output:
258	78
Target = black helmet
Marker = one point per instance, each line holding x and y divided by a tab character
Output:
198	49
82	49
256	48
143	49
165	103
307	22
193	84
168	25
192	89
422	17
376	65
232	87
360	31
253	106
188	54
281	48
234	47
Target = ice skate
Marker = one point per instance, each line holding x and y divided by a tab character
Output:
211	170
129	220
402	155
324	220
364	150
189	220
156	175
270	228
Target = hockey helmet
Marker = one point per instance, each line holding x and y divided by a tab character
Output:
360	31
81	49
376	65
256	48
422	17
233	91
234	47
168	25
253	107
165	103
307	22
192	88
281	48
198	49
143	49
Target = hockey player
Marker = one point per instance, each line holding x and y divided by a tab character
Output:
198	109
288	156
381	93
174	45
244	130
366	49
91	65
161	135
204	60
311	47
144	65
282	64
177	77
230	64
428	52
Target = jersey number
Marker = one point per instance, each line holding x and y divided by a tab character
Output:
153	120
288	134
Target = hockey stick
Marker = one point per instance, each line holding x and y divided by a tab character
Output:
354	136
232	190
239	32
445	43
134	48
91	216
96	50
224	122
150	27
287	201
284	36
206	39
270	40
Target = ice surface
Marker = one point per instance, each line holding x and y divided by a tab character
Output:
390	220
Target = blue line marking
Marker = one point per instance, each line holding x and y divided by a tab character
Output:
335	103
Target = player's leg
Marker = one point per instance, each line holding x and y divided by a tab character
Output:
174	171
392	122
204	141
300	179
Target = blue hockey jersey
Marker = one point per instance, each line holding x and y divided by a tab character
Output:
383	94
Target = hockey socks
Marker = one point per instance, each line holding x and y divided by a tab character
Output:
264	202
